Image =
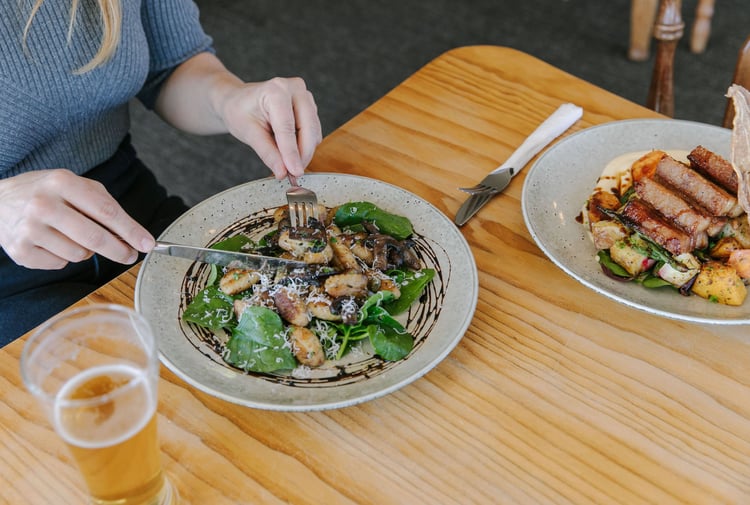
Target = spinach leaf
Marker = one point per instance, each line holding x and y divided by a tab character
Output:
388	337
234	244
348	334
257	343
390	343
411	284
353	213
374	302
653	281
606	261
211	308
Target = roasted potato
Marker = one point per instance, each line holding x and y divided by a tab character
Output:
720	283
724	247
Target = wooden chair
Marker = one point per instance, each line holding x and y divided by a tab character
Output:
668	30
642	17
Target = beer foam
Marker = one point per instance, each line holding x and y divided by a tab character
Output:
91	431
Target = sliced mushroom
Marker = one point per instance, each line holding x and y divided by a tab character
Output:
281	214
410	257
348	308
391	253
382	245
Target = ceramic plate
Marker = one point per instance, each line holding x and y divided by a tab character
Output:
561	180
438	321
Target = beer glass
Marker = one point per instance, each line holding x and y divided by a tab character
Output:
95	369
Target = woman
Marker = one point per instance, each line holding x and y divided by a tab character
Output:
76	205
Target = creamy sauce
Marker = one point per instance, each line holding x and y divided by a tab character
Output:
617	176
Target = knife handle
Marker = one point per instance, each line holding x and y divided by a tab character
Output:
552	127
162	247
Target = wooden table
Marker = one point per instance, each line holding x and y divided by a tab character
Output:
554	395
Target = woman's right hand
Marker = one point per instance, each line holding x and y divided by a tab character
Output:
49	218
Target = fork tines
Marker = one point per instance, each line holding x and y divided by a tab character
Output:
303	205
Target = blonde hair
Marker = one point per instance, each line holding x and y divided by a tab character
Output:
111	17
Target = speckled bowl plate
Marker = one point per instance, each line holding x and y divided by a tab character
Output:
561	180
165	285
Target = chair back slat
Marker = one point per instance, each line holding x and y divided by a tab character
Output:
668	31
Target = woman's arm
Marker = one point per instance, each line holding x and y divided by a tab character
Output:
278	118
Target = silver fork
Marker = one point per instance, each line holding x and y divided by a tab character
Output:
493	183
497	180
303	204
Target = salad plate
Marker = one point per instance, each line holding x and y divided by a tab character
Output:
438	320
561	180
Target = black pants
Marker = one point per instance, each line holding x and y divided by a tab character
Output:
29	297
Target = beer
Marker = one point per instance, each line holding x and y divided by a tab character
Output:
107	416
96	370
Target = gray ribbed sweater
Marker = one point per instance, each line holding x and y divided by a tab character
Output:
53	118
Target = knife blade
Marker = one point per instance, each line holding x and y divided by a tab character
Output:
551	128
226	258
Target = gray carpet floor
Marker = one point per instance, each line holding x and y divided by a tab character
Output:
352	52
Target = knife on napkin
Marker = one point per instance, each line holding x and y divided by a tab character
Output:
226	258
560	120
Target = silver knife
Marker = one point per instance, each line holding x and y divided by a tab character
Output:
226	258
497	180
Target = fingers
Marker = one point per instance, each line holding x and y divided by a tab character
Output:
279	105
279	120
89	235
109	230
52	251
52	217
309	131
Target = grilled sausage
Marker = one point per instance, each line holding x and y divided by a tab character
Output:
714	167
644	218
690	183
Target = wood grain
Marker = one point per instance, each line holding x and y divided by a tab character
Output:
554	395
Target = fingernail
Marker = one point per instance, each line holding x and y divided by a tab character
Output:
132	258
147	244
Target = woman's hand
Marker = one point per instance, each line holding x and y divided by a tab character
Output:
50	218
278	118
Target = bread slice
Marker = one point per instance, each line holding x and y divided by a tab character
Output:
740	156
